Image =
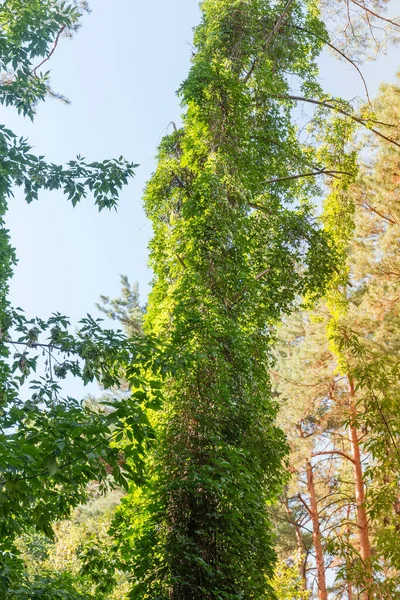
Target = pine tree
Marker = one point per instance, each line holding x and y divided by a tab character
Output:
350	350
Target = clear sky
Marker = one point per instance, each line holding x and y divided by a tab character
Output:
120	72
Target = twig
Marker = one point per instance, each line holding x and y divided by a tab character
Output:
32	345
51	51
378	16
331	452
238	297
308	385
261	275
354	64
300	497
374	210
363	122
322	171
181	261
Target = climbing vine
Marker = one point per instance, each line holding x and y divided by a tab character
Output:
235	243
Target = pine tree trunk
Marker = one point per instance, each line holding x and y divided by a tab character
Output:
350	595
319	553
362	517
300	547
349	586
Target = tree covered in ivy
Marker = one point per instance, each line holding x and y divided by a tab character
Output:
235	243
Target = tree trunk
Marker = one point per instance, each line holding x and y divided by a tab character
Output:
300	546
319	554
350	595
362	517
349	586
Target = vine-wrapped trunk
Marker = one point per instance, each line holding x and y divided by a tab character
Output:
228	258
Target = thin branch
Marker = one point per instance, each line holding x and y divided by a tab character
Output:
262	274
51	51
342	54
269	39
322	171
50	365
33	345
328	517
181	261
363	122
338	452
284	520
300	497
374	210
335	107
308	385
378	16
355	66
259	207
341	524
239	296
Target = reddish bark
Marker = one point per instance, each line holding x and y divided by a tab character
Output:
319	553
350	595
300	546
362	517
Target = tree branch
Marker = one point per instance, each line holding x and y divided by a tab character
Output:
33	345
300	497
261	275
342	54
181	261
371	12
363	122
374	210
308	385
355	66
322	171
51	51
331	452
238	297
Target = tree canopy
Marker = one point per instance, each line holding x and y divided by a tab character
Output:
250	409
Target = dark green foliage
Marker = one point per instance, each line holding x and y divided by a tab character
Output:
51	446
48	587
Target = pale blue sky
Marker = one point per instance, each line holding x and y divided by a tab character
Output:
120	72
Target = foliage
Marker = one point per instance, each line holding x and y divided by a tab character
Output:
350	348
52	446
231	253
287	584
237	245
126	309
82	550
